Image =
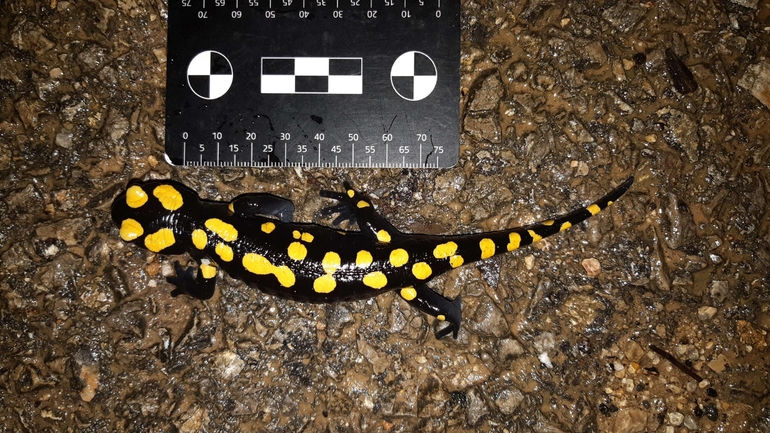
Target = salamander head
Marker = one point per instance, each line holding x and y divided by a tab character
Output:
147	214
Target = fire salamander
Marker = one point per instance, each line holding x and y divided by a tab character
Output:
253	239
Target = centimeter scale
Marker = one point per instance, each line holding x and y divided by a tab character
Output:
323	83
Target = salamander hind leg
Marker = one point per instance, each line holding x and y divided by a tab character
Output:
200	287
429	302
357	208
253	204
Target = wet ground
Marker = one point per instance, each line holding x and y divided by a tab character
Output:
653	316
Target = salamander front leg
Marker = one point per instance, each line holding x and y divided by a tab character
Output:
200	287
426	300
357	208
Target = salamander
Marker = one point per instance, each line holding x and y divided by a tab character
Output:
254	239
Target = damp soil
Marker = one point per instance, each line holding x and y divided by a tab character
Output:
653	316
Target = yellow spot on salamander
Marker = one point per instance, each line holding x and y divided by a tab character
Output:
548	223
324	284
297	251
351	193
535	237
199	239
285	276
441	317
222	229
268	227
421	270
375	280
487	248
594	209
159	240
224	251
231	207
136	197
383	236
331	262
399	257
130	229
456	261
443	251
565	226
362	204
306	237
408	293
258	264
364	259
514	241
168	196
208	271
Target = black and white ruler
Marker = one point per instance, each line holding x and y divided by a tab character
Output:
322	83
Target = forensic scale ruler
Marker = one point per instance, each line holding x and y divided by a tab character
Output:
317	83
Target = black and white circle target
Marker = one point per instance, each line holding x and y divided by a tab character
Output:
210	74
413	75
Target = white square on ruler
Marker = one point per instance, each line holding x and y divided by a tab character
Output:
311	66
346	84
277	84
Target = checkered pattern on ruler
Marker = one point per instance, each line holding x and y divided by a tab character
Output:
321	75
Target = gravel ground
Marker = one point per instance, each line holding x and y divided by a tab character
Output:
653	316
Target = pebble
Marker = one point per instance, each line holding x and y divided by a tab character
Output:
718	290
592	267
675	418
630	421
690	423
490	320
706	312
476	407
64	139
228	364
719	364
757	77
508	400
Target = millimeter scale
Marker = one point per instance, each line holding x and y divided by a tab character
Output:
317	83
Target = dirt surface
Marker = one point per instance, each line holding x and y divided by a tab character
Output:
561	101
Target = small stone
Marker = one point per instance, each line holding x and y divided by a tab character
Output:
690	423
718	290
633	352
718	364
490	320
529	262
476	407
630	421
508	400
757	81
675	418
64	139
544	342
706	312
592	267
89	376
747	4
228	364
471	374
751	336
488	95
